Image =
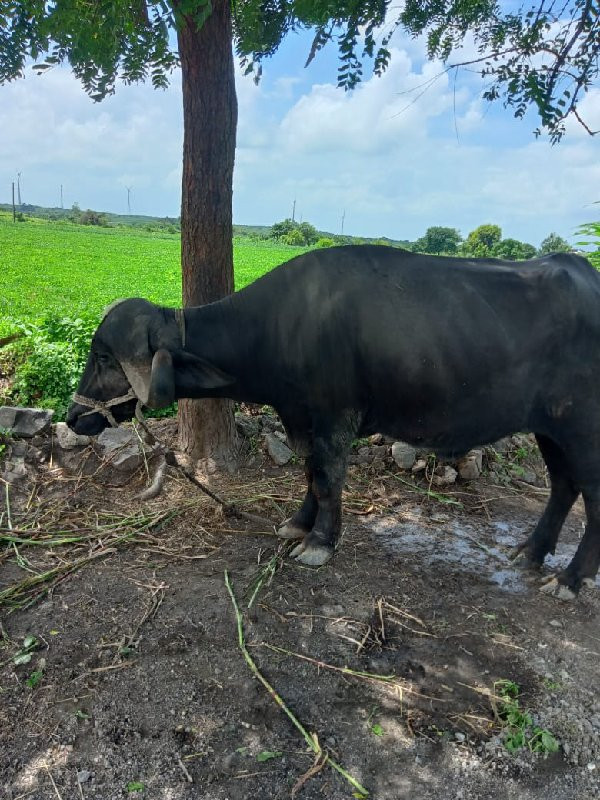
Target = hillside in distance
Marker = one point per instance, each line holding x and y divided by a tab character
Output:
146	221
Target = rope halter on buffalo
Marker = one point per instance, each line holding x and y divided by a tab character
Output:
103	406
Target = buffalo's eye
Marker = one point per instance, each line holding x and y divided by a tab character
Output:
103	359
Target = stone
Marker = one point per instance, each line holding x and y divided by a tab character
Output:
122	447
502	446
528	476
446	477
25	422
404	455
270	423
67	438
469	467
18	450
14	471
419	465
380	451
279	452
248	426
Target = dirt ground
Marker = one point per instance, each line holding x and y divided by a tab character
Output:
136	685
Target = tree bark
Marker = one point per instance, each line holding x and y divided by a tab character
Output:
207	427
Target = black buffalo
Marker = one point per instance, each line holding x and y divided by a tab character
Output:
444	353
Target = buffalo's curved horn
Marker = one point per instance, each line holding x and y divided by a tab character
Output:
162	380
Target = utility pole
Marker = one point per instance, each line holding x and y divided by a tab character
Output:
19	188
13	202
61	196
343	218
294	210
128	199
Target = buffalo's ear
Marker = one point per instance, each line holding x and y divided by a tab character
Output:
162	381
196	371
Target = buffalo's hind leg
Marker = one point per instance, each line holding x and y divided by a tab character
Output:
583	567
301	523
331	443
562	496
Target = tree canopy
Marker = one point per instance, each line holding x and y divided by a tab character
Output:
481	242
438	239
545	56
553	243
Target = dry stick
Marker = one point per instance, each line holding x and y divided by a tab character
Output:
372	676
23	586
317	766
180	764
9	520
312	741
58	794
389	680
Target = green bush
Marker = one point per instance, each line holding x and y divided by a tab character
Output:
591	231
294	238
48	362
324	241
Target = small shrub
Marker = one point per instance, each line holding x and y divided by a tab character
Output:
591	231
518	725
324	241
294	238
49	361
90	217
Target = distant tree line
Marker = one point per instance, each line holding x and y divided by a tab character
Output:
484	242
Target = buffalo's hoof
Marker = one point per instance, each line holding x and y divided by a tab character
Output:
554	587
589	582
290	531
521	556
313	555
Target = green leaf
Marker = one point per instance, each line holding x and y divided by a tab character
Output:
29	642
22	658
135	786
377	729
267	755
35	677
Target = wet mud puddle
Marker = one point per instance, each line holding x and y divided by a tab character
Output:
478	546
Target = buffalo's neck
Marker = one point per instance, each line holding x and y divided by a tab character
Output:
222	334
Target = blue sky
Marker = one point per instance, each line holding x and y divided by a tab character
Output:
391	158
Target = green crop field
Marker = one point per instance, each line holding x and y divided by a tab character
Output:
71	270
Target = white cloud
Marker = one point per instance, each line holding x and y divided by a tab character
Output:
397	162
387	154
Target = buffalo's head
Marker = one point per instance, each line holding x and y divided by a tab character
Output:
137	349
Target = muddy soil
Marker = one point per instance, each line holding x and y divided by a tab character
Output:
142	689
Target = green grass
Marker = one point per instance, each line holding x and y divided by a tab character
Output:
73	270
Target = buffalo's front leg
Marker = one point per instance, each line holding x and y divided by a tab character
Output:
302	522
329	457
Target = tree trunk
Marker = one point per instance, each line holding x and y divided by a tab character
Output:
207	427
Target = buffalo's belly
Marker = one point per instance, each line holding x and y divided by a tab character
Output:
449	424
